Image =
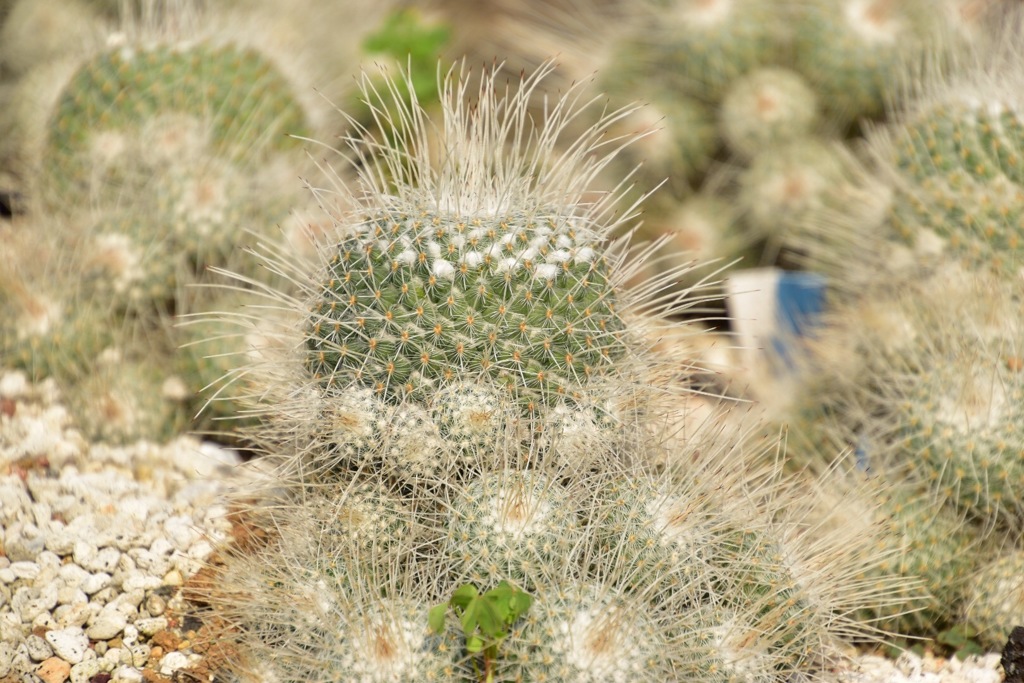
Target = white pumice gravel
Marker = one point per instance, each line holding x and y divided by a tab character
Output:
96	542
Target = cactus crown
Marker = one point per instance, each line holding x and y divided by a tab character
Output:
475	255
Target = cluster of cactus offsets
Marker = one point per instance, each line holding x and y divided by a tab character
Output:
460	347
930	323
737	85
146	158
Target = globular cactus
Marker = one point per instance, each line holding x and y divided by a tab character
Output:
706	45
469	268
467	343
48	325
786	186
520	526
853	51
957	162
996	598
229	99
766	108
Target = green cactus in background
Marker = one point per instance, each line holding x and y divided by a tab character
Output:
959	168
706	45
767	108
229	100
49	327
852	51
124	400
996	598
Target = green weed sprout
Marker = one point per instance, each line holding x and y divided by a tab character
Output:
485	619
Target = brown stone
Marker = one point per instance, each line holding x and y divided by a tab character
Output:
168	640
54	670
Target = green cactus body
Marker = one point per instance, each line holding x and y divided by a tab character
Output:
475	419
127	262
347	428
245	105
371	521
964	433
413	449
851	51
995	600
765	108
786	186
122	402
680	140
514	526
583	635
961	174
929	543
391	642
655	538
413	303
709	44
208	353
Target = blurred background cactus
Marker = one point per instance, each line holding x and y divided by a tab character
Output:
477	357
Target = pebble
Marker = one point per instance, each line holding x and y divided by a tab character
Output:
172	661
69	643
24	570
108	624
94	583
38	649
83	671
155	605
54	670
6	658
151	626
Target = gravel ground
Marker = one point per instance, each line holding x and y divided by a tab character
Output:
97	543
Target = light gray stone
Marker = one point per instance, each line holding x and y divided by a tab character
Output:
94	583
108	623
150	626
69	643
105	560
6	658
84	553
27	571
77	614
155	604
70	595
38	649
83	671
171	662
126	674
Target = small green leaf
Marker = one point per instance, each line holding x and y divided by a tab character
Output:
474	644
464	595
435	617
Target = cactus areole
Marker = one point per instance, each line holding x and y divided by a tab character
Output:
416	301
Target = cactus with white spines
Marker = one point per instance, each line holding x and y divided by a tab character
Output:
766	108
996	597
429	354
706	44
519	526
852	51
